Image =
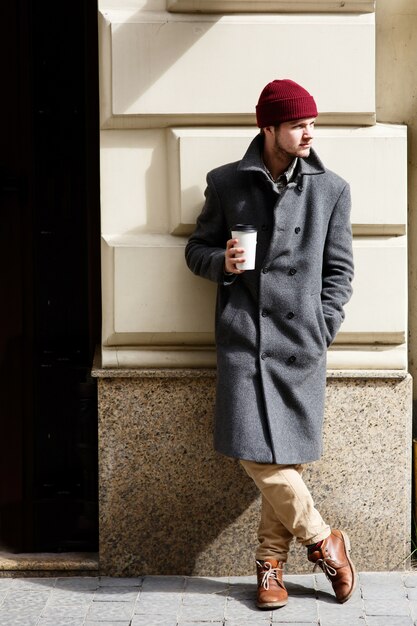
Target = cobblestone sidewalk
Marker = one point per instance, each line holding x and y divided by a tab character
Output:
381	599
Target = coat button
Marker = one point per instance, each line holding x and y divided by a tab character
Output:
292	359
265	270
292	271
297	229
264	355
264	227
290	315
264	313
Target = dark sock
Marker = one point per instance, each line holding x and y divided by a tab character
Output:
314	546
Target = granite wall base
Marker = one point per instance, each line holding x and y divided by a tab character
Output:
170	505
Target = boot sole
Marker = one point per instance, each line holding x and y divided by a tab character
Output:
271	605
346	541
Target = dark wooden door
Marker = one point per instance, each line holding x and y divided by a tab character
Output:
49	247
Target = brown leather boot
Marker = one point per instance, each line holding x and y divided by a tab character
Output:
271	590
333	558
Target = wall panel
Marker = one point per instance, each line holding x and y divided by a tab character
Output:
133	182
156	301
367	157
152	56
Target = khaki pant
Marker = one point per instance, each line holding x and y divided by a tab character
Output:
287	509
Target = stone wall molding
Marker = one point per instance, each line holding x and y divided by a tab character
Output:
273	6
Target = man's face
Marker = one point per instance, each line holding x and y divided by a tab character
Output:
294	139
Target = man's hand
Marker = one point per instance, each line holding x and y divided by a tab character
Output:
232	258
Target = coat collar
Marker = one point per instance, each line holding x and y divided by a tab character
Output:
252	160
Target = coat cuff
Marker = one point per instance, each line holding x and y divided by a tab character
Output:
228	279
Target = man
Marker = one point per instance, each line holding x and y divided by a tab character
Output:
274	324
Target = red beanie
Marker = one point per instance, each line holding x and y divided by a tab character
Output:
282	101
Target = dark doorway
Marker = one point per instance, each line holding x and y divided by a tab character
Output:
49	246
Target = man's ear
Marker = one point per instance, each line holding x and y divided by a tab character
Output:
268	130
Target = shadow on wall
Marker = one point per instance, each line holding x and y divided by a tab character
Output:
136	199
169	504
149	51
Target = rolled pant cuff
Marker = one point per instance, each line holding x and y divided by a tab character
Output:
316	538
278	556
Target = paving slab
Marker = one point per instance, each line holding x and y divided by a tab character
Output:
393	621
121	594
122	623
384	592
59	613
387	607
108	581
155	620
108	611
61	621
381	599
410	580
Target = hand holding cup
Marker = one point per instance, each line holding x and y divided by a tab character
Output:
239	259
234	257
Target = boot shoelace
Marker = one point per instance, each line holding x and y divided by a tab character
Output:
324	565
268	572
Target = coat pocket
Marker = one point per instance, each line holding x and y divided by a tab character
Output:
237	326
224	323
319	318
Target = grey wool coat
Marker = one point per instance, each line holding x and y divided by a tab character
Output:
274	324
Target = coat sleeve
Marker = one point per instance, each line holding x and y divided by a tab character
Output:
205	250
337	265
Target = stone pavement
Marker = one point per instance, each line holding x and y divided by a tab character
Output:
381	599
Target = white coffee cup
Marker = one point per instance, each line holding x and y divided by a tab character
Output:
246	234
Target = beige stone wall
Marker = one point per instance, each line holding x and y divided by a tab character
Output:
396	97
179	82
